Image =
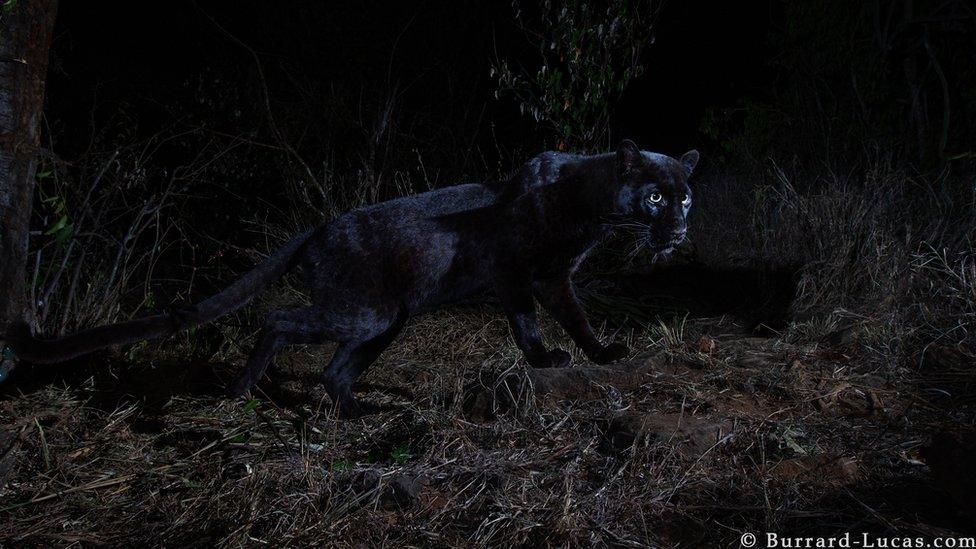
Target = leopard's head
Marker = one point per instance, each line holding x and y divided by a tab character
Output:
654	196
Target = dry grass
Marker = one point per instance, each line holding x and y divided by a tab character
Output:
706	432
750	435
888	252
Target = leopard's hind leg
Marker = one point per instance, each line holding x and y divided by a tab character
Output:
297	326
353	357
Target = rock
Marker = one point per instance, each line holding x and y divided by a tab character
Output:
816	470
706	345
691	435
481	399
477	403
399	491
844	336
404	489
589	381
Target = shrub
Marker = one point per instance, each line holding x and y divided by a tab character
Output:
588	54
880	249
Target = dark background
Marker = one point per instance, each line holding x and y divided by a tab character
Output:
241	122
250	118
344	56
823	307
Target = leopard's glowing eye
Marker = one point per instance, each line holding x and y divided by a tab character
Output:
655	198
687	200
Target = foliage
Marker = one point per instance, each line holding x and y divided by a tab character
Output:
880	249
110	235
588	55
892	76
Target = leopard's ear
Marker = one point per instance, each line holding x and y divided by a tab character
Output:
629	157
689	160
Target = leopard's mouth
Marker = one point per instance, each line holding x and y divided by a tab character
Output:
665	247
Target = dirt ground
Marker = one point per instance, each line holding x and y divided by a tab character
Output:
712	428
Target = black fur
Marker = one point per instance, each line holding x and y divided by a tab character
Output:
372	268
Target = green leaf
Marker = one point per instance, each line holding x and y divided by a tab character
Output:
793	444
64	234
7	359
401	454
251	405
57	226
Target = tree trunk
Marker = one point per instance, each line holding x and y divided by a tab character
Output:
26	28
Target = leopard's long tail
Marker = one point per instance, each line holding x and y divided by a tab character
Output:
28	347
